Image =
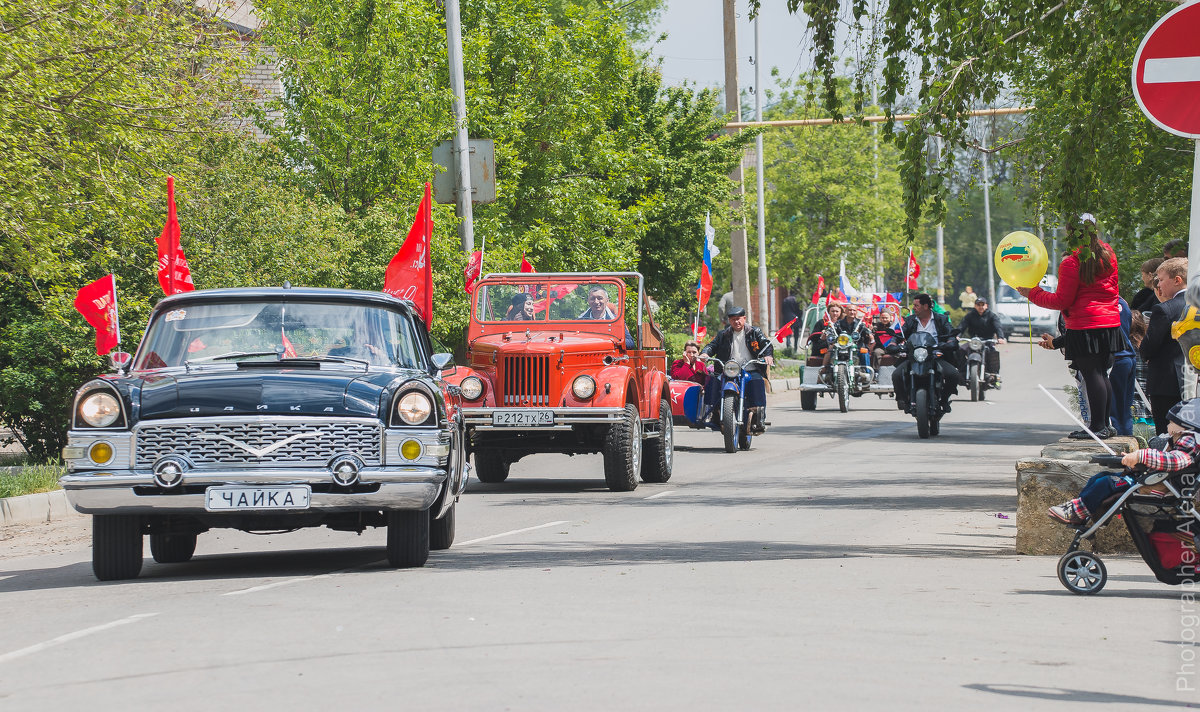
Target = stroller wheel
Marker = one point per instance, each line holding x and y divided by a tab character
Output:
1082	572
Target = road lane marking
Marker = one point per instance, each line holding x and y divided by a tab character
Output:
514	531
1171	69
664	493
277	584
72	636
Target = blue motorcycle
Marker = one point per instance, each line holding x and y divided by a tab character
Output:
737	422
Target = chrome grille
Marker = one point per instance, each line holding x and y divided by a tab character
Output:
285	443
526	380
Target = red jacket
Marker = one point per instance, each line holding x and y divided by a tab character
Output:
1084	306
681	370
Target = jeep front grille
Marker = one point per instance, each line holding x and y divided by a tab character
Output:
283	442
526	380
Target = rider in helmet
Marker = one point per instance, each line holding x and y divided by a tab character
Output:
1183	423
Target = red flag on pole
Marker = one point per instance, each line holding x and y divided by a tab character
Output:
97	302
699	333
471	273
820	288
173	274
914	270
525	266
409	275
785	331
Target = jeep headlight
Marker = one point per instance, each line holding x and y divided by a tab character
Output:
414	407
100	410
472	388
920	354
583	387
843	340
733	369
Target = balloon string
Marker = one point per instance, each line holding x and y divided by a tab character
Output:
1029	321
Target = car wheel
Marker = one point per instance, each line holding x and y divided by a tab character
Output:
729	422
808	400
172	548
116	546
623	452
441	531
408	538
660	451
490	466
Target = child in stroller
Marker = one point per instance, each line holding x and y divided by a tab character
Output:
1155	496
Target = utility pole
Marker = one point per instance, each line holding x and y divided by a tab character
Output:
764	313
879	285
987	225
733	105
941	254
462	148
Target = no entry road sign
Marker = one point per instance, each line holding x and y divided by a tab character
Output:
1166	72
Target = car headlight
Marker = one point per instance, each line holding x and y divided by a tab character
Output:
472	388
920	353
100	410
843	340
733	369
583	387
414	407
976	343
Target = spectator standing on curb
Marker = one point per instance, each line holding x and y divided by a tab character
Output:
967	298
1122	375
1145	299
723	307
1164	358
1087	296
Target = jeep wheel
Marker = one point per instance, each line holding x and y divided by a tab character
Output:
116	546
490	466
172	548
623	452
660	451
441	531
407	538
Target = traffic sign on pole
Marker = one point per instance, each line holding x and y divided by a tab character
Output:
1166	72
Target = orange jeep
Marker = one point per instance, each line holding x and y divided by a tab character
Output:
569	363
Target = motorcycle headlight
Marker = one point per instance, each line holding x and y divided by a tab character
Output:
471	388
843	340
414	407
100	410
732	369
976	343
583	387
920	353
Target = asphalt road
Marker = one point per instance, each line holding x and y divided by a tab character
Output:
840	564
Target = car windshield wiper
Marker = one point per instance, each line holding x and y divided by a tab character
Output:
233	355
326	359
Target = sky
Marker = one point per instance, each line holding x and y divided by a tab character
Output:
693	50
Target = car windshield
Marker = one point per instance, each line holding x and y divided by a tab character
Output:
351	335
551	301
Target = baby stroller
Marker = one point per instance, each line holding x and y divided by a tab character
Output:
1164	527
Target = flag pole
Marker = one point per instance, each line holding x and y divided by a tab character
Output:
116	311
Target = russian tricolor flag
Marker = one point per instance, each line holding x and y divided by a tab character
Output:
705	287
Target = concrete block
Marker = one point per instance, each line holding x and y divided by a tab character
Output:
36	508
1067	449
793	384
1044	482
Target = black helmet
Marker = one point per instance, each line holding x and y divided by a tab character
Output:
1186	414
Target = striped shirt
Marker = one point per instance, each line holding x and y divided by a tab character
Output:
1183	453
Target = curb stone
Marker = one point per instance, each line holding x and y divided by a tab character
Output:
36	508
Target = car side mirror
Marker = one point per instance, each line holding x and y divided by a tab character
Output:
120	360
442	362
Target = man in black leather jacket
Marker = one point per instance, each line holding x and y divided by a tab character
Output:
924	318
985	324
740	342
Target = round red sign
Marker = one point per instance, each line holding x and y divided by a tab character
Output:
1166	72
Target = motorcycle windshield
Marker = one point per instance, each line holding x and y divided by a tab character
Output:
922	338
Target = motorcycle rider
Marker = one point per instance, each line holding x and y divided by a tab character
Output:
849	323
887	329
740	342
925	319
985	324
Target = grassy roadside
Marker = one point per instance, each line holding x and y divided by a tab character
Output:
28	479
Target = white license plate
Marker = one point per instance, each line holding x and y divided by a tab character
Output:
222	499
525	417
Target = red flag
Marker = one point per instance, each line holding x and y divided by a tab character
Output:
914	270
699	333
97	302
409	274
289	351
525	266
820	288
785	331
173	274
471	273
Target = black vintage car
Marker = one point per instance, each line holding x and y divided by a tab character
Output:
265	410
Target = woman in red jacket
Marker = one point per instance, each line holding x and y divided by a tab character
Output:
1087	297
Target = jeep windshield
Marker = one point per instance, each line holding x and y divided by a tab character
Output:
335	335
549	302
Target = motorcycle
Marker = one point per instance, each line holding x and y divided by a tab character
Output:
737	422
925	386
849	376
980	354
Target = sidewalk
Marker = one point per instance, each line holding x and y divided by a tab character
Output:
36	508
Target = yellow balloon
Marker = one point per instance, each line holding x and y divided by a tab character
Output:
1021	259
